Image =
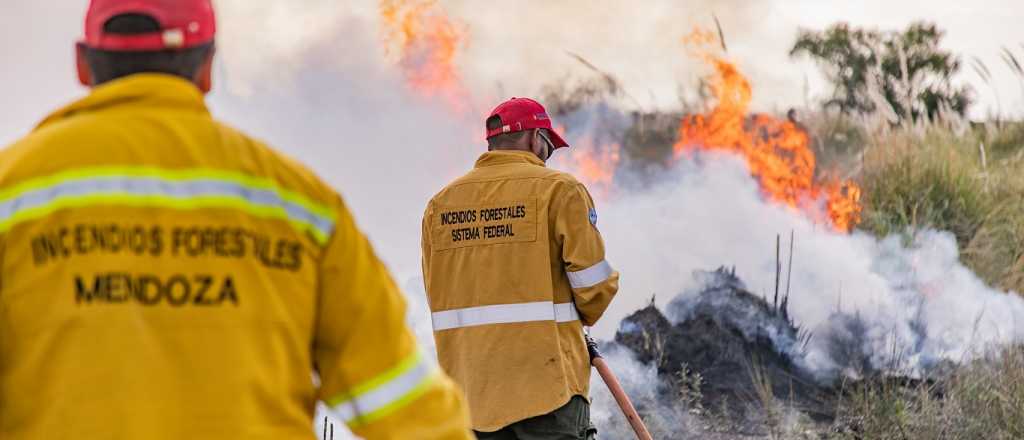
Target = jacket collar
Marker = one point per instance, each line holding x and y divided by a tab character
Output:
141	90
505	157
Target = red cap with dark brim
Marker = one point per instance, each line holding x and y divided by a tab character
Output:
184	24
520	114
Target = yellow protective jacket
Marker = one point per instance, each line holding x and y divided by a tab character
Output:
514	268
166	277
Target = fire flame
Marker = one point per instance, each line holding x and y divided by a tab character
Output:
777	151
593	163
427	43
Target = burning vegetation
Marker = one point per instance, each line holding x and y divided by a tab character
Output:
777	151
426	43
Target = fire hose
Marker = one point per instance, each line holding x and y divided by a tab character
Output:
616	389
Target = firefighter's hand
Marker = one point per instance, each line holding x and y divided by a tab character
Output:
592	348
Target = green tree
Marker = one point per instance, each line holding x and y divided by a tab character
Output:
905	75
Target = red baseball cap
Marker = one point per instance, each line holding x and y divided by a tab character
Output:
184	24
520	114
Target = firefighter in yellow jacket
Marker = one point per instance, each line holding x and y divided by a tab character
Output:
514	267
163	276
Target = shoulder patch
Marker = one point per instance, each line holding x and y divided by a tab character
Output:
593	216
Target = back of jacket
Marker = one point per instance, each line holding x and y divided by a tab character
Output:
163	276
514	268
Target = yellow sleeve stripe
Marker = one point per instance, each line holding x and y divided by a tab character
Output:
386	393
180	189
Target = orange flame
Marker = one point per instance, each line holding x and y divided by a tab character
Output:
593	163
427	42
777	151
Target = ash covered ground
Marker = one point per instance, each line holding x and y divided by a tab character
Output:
724	363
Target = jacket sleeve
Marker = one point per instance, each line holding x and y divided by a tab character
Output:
373	375
594	282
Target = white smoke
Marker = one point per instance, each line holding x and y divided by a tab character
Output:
664	418
913	292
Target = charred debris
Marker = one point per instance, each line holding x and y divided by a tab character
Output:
742	351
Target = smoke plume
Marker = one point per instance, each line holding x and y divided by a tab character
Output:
911	290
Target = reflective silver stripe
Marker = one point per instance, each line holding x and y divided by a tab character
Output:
181	191
383	398
566	312
504	314
590	276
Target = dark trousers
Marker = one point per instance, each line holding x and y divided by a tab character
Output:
570	422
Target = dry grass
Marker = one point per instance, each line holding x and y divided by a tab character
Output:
981	400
